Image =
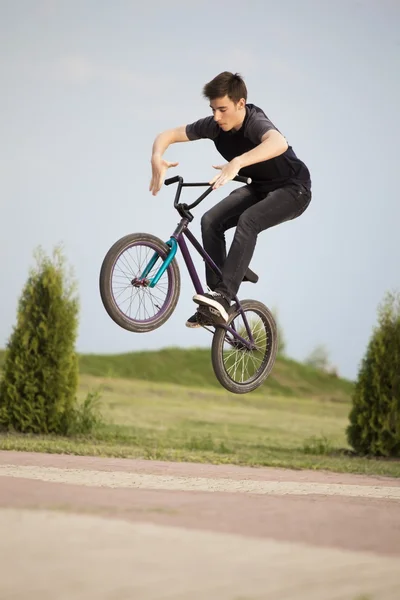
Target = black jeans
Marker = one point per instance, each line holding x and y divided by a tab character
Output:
250	210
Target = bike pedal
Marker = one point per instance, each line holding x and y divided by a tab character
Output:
209	313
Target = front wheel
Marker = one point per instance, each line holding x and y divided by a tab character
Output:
125	278
237	368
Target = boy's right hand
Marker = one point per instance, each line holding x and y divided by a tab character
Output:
159	167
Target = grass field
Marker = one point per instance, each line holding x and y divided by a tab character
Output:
297	420
192	368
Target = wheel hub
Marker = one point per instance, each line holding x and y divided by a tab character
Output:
140	283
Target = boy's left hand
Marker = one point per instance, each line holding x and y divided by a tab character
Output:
228	172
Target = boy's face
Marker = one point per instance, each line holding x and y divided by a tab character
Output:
228	114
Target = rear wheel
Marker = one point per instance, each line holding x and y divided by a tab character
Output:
237	368
127	295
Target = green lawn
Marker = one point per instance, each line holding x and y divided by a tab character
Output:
192	367
208	424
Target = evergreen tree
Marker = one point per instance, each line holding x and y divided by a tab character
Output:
375	416
40	373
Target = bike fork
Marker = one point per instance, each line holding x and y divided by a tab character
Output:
172	243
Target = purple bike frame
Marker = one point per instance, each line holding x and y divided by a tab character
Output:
196	281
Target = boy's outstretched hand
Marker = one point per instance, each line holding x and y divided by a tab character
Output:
159	167
228	172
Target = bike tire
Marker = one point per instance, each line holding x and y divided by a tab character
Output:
219	357
171	283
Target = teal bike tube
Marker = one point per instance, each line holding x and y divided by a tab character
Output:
151	264
172	243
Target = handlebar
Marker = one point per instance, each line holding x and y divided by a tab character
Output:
172	180
184	209
175	179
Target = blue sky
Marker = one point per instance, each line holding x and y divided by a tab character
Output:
86	86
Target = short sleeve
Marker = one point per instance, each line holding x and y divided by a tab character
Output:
203	128
257	126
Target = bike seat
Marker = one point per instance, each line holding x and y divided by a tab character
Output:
250	276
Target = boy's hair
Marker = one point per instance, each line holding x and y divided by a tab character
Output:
226	84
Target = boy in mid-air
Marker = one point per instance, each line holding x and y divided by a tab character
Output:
253	147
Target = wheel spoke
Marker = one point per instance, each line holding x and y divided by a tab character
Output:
136	301
241	364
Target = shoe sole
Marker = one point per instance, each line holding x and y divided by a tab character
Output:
212	304
193	325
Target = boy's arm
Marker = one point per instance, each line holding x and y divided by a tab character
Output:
272	144
159	166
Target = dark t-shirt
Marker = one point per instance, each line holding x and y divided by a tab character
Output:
269	174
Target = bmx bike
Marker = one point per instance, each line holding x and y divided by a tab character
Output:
140	286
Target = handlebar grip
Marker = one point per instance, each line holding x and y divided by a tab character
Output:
172	180
242	179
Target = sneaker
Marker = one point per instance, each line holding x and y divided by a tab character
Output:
193	321
200	318
217	304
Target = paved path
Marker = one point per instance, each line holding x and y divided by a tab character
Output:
92	528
